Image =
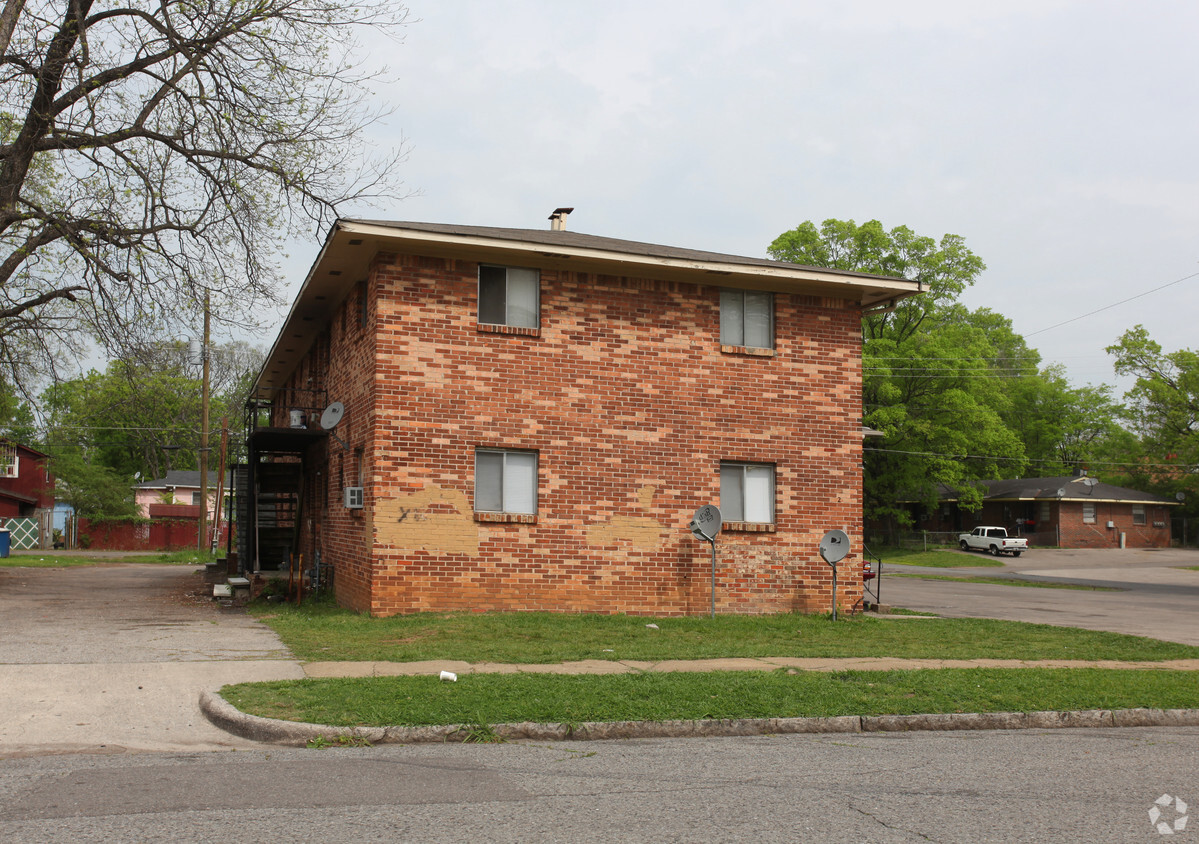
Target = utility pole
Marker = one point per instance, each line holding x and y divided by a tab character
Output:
202	540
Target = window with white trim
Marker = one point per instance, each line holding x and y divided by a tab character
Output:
505	481
9	461
1088	512
747	319
1138	514
509	296
747	492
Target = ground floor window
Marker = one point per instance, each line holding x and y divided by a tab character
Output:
505	481
1138	514
747	492
1088	513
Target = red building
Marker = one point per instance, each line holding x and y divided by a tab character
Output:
26	488
530	418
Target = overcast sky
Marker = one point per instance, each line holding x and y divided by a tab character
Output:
1058	138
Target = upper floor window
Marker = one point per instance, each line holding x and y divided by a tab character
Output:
505	481
9	460
747	319
509	296
747	492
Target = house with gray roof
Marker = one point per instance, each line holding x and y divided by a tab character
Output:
1067	512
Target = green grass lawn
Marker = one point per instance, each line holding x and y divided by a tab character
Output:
1008	581
323	633
941	559
56	559
493	698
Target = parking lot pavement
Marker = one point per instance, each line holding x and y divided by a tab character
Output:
1156	593
113	658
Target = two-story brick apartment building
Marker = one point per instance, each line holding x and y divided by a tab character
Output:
532	417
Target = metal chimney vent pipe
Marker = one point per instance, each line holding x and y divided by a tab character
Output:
558	219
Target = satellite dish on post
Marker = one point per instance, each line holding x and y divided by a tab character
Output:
834	545
704	525
332	415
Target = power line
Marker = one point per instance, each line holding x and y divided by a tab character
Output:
1088	462
1114	305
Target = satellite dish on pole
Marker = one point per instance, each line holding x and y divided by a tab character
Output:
704	525
332	415
834	545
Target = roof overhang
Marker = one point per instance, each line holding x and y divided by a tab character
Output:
352	245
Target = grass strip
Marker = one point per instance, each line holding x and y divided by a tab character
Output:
53	560
1008	581
499	698
941	559
320	632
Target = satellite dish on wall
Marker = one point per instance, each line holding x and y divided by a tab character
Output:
332	415
329	419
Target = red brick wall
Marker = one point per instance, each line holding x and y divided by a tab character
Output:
1077	534
630	403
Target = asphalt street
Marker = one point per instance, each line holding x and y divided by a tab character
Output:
1029	785
1155	593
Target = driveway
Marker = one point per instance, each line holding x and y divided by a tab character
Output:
112	658
1157	595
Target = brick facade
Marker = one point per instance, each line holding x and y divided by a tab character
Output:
630	403
1061	523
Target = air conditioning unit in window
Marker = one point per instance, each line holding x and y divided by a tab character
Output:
353	497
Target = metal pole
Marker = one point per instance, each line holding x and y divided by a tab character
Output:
713	541
834	591
202	539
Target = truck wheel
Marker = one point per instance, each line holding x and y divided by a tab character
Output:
965	547
1015	553
993	551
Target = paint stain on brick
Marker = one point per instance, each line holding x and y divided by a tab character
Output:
434	519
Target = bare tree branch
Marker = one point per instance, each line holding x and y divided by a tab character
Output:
153	152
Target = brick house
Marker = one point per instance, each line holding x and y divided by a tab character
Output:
529	418
1066	512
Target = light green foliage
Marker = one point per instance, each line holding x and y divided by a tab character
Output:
958	395
1163	410
142	415
926	366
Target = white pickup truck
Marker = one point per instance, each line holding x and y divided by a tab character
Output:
993	540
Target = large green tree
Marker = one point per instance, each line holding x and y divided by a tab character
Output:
142	415
925	365
1163	410
155	153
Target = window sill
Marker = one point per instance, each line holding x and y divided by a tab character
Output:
509	518
488	328
749	527
747	350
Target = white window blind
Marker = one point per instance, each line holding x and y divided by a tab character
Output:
747	318
509	296
505	481
747	492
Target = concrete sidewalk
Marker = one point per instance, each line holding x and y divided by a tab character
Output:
600	666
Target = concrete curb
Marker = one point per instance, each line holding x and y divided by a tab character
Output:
269	730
